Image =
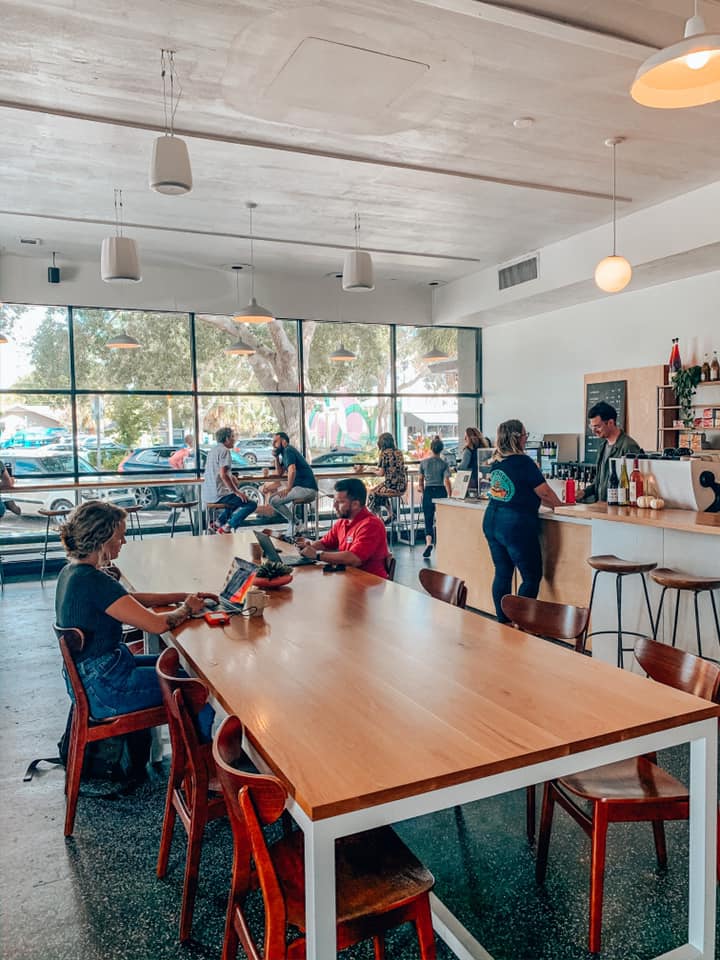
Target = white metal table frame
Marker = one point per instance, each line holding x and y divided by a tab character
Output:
320	836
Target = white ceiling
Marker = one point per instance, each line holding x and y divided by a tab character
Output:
401	109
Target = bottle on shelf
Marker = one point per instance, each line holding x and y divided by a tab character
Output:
624	486
705	373
715	368
675	361
636	484
613	486
570	488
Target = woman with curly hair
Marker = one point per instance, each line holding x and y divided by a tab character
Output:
391	466
517	488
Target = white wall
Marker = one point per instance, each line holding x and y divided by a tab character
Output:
533	368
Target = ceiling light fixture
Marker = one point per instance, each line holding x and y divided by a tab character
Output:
170	171
253	312
123	342
357	272
3	340
686	74
613	273
119	256
342	355
53	272
240	348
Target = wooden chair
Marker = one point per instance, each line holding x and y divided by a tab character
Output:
380	884
551	621
194	793
444	587
390	564
84	729
630	790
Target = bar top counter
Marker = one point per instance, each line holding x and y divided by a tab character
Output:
686	521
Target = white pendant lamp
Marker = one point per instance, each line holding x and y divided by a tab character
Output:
253	312
613	273
686	74
170	171
342	355
119	261
358	267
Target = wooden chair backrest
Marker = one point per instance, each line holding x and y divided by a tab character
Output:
679	669
253	801
557	621
390	564
72	640
443	586
184	698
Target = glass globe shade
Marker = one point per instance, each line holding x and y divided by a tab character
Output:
613	274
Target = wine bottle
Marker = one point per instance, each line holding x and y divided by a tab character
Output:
715	368
570	490
624	487
613	486
705	373
676	362
636	484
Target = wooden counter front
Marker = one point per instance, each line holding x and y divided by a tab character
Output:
686	521
462	550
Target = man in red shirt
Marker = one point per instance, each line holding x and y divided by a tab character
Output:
357	539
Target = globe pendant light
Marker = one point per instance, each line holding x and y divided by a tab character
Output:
240	347
170	171
342	355
613	273
686	74
253	312
119	260
357	272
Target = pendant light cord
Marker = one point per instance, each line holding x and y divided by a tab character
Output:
357	230
118	212
252	258
613	199
169	76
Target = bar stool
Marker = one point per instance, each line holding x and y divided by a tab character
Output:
396	518
176	508
305	510
49	515
210	510
609	563
133	520
680	582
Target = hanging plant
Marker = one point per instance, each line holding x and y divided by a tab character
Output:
684	383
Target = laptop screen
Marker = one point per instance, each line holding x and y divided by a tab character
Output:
237	583
268	547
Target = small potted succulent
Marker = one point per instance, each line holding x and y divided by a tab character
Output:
272	574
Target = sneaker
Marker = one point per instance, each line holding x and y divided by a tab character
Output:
427	551
225	529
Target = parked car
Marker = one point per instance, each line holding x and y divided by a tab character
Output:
40	466
256	450
35	437
340	457
155	460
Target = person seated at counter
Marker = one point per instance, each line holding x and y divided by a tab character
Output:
298	481
357	538
616	443
517	488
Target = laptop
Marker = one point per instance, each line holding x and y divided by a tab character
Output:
237	583
270	551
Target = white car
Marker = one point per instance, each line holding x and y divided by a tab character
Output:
38	466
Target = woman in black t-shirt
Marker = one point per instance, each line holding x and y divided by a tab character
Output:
517	488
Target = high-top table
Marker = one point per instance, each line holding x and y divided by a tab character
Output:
374	703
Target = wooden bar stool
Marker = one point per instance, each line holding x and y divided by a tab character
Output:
176	508
49	515
680	582
133	520
210	510
395	501
609	563
306	511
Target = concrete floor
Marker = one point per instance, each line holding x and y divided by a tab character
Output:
96	896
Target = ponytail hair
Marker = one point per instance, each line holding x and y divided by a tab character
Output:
509	439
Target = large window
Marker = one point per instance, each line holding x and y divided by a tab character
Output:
77	404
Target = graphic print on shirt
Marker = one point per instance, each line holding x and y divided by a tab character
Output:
501	486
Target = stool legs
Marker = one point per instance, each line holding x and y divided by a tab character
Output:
45	546
619	632
172	524
696	608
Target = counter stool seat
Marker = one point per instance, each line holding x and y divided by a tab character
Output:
49	516
210	511
686	582
134	521
177	507
619	568
609	563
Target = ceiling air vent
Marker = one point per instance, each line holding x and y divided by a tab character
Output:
519	272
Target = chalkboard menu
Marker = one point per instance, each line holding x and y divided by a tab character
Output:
613	392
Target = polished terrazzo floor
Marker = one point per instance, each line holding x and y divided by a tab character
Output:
96	897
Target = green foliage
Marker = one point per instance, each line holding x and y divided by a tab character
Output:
684	383
271	569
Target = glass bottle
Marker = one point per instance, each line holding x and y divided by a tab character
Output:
624	487
613	485
636	484
705	374
715	368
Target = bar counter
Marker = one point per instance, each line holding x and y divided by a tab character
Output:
686	521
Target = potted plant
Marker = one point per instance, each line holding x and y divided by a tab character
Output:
272	574
684	383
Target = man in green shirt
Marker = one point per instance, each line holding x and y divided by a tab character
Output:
616	443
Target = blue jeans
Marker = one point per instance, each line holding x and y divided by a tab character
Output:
237	509
514	541
118	682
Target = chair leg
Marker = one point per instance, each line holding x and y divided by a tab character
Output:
379	947
192	868
660	845
597	874
172	524
424	929
168	829
530	813
546	818
76	756
231	941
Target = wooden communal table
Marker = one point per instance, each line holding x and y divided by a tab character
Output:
374	703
